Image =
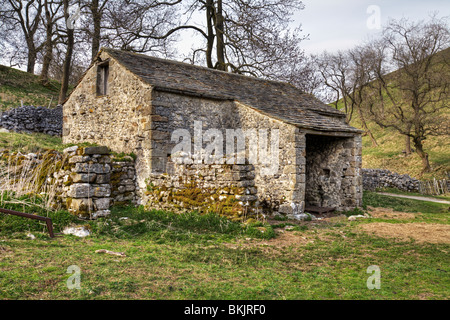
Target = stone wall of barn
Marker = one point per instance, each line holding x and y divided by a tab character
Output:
271	185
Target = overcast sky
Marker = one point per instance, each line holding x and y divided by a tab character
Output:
341	24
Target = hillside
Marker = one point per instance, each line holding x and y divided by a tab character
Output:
389	154
16	86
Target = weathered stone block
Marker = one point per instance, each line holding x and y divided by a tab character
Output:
92	167
158	118
103	190
100	214
81	206
77	159
82	177
80	190
103	178
102	203
70	149
104	159
96	150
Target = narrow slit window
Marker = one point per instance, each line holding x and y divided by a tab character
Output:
102	78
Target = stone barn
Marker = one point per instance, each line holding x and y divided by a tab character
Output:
209	140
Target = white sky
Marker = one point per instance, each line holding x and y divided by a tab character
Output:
341	24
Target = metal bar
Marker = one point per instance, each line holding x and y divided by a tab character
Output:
47	220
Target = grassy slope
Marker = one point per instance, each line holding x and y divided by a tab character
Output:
16	85
27	143
389	155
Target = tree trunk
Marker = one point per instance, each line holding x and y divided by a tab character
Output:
422	154
220	46
96	18
210	44
68	58
408	140
32	55
48	56
407	145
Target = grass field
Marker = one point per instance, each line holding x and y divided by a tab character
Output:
205	257
17	86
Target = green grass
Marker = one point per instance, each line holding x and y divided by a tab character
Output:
35	142
16	86
396	191
389	155
405	205
27	143
199	257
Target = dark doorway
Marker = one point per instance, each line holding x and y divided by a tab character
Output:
327	160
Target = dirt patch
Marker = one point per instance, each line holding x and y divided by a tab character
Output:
284	239
420	232
387	213
287	239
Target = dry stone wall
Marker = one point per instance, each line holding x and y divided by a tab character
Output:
225	189
124	188
381	178
86	181
94	181
33	119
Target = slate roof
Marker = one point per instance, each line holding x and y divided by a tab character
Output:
278	100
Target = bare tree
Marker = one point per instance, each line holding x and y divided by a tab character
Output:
141	26
26	17
250	37
411	99
133	25
303	73
344	74
96	10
